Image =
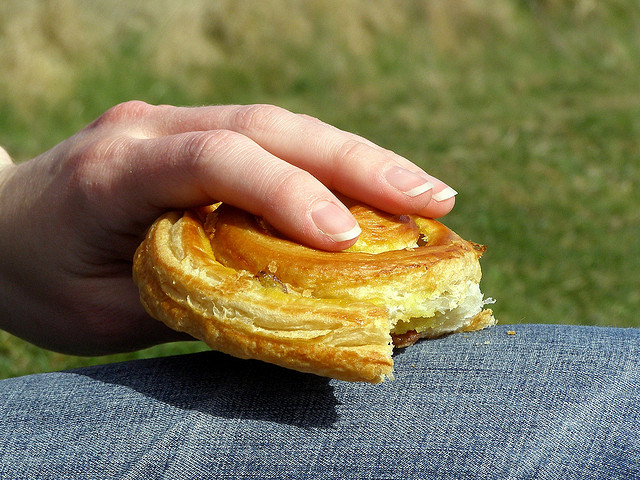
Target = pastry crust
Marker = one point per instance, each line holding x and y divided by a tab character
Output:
227	278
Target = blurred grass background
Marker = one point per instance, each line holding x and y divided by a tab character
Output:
530	109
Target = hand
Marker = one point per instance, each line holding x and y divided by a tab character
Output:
71	219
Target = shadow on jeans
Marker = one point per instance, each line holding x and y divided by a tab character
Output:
223	386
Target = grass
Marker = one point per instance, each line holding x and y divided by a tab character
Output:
530	109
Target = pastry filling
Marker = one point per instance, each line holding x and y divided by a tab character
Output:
405	333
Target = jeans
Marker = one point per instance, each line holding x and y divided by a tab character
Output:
548	402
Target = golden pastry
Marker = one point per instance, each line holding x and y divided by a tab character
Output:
227	278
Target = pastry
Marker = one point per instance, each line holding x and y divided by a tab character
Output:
229	279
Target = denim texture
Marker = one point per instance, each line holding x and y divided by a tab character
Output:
550	402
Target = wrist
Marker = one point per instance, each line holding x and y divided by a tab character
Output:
12	243
7	168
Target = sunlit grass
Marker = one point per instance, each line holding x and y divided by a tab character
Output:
530	109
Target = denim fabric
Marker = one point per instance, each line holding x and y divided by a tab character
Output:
550	402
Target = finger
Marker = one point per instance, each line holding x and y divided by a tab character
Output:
342	161
443	196
196	168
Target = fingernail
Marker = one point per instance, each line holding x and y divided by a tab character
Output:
334	222
407	182
444	194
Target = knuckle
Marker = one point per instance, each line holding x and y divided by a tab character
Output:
350	152
208	145
97	153
132	110
310	118
88	184
91	169
256	118
285	184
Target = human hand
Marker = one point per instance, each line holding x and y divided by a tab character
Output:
71	219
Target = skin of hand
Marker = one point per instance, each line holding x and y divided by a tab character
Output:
71	218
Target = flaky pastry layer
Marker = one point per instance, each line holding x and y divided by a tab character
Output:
225	277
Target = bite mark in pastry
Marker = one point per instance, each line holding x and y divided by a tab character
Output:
227	278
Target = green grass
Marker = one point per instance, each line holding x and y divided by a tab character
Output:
530	109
